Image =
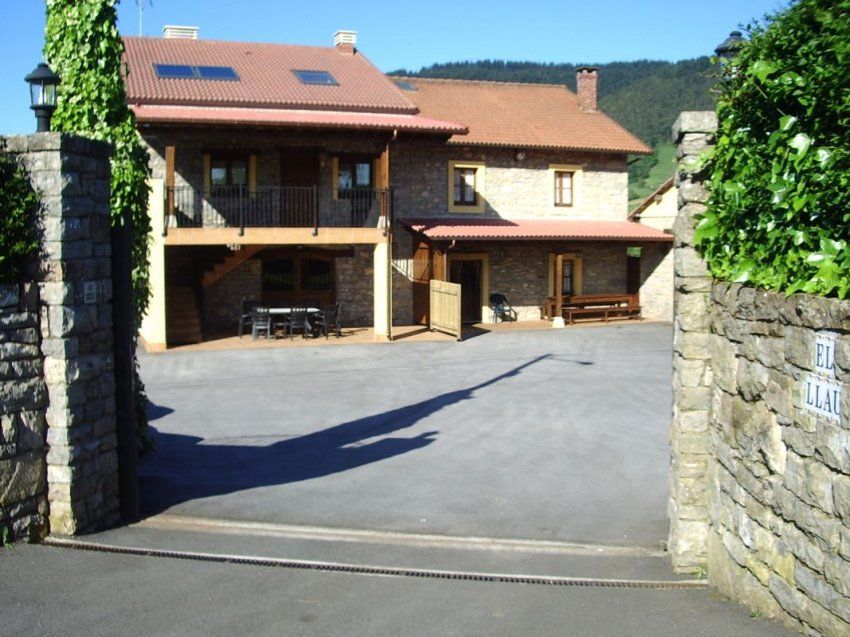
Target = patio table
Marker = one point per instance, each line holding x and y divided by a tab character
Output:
285	311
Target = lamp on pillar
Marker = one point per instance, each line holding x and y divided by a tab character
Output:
729	47
43	83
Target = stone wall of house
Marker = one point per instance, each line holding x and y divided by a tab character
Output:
23	466
223	299
71	175
354	286
513	189
656	281
760	471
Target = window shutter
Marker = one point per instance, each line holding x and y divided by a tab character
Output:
207	174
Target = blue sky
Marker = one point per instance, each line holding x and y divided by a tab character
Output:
400	34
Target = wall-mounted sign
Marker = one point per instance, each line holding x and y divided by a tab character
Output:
821	393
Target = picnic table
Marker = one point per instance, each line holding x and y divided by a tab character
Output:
605	306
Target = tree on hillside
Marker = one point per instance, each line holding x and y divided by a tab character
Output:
83	46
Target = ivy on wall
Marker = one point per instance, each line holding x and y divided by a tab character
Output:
19	205
779	207
83	46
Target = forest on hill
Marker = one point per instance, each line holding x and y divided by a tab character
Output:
645	96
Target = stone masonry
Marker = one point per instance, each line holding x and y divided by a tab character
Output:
687	505
71	175
23	468
779	474
759	481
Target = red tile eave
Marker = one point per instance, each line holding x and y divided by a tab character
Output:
535	230
632	150
282	118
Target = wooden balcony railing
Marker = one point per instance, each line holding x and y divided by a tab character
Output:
277	207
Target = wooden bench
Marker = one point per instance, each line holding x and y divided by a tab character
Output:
604	306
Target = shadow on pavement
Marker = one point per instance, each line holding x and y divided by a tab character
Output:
184	468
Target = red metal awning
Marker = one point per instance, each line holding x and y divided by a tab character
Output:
534	230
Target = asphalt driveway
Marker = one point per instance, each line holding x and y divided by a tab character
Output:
540	435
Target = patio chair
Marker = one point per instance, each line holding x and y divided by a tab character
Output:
298	321
247	316
328	320
261	321
501	308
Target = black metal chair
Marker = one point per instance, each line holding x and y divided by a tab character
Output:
299	321
328	319
247	316
501	308
261	322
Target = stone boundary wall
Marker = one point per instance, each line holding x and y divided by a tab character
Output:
759	481
23	467
779	475
71	175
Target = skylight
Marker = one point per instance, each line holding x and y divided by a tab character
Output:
186	72
404	85
316	77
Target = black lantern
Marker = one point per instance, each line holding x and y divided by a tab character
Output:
729	47
43	83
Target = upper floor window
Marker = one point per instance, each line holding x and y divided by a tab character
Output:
322	78
353	173
564	187
228	171
466	186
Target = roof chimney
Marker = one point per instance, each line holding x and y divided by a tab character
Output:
586	77
345	41
174	32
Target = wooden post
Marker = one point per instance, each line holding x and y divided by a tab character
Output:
559	285
169	181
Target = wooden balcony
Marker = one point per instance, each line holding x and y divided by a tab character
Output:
276	215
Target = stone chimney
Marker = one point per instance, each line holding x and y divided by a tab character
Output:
345	41
174	32
586	77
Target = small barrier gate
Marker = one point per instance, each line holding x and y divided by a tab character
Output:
445	307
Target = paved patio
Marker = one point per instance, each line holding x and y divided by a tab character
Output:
541	435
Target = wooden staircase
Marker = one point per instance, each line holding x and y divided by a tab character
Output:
228	264
183	321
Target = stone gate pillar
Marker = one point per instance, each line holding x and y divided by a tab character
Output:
71	175
687	507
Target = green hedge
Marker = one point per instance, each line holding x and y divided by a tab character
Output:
18	215
780	173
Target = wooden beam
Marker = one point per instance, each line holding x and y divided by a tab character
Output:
559	285
273	236
169	179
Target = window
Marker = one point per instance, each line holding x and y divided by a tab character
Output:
322	78
405	85
353	173
279	275
316	274
563	188
571	279
466	187
228	172
567	281
186	72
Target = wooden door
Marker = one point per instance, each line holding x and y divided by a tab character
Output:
633	278
467	272
299	173
421	279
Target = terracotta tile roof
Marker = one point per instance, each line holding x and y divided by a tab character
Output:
291	117
266	76
520	116
650	198
534	229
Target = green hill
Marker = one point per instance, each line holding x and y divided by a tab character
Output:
645	96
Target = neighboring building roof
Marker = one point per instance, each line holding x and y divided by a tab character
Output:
147	114
266	77
651	198
502	229
520	116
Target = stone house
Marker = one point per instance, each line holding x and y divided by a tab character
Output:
658	210
295	174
